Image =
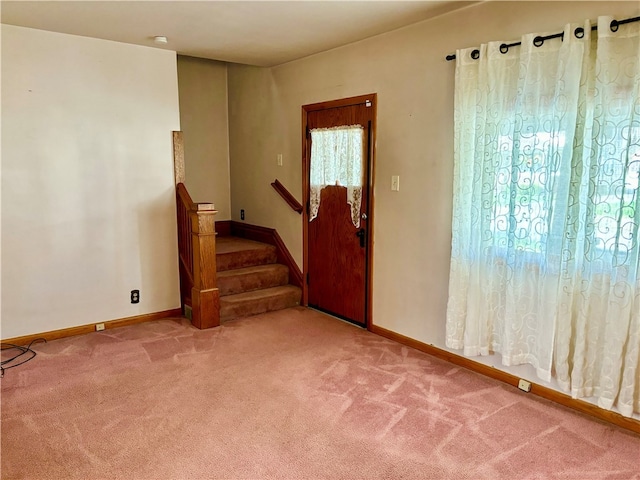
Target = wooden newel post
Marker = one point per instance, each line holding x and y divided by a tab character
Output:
205	297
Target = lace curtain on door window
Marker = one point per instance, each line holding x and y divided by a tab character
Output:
336	159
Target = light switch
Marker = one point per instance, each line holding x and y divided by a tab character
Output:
279	159
395	183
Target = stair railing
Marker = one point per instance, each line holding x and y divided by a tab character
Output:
287	196
196	250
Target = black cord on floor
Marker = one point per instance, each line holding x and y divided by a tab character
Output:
9	362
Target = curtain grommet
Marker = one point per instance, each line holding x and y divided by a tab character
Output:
538	41
614	25
475	54
579	32
504	48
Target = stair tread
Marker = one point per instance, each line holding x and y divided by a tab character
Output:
252	270
225	245
235	253
259	294
246	279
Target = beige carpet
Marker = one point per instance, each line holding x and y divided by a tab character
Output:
290	394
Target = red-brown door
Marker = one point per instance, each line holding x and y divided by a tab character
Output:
337	250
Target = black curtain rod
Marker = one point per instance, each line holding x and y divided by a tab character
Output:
539	41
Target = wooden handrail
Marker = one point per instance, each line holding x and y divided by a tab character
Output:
184	196
287	196
196	248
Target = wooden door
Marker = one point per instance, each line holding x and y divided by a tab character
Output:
338	252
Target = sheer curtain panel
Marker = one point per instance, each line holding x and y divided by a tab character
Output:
545	247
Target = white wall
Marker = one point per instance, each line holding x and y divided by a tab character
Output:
414	83
202	86
88	208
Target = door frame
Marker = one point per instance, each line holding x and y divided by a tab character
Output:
306	109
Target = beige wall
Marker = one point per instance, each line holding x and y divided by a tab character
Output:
88	202
202	87
415	115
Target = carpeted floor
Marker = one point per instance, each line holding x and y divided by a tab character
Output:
292	394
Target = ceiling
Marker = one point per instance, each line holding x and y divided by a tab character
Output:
263	33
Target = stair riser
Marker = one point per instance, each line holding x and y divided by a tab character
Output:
246	258
230	285
229	311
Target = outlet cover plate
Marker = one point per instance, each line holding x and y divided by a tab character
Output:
524	385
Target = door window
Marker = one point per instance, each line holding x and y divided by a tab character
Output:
336	159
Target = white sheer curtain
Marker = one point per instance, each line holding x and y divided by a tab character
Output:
546	241
336	159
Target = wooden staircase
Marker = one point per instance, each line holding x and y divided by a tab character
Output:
249	280
226	277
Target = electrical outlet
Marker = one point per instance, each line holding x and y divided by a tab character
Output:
135	296
99	327
242	214
524	385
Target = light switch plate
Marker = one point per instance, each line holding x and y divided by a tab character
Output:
395	183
